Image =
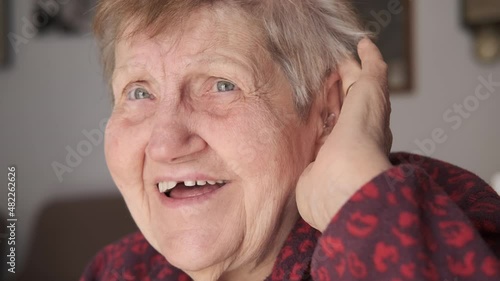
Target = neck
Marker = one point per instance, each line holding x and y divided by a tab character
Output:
260	267
263	266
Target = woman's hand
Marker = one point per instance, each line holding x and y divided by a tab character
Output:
358	146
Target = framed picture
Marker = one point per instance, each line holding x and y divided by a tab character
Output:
391	23
69	17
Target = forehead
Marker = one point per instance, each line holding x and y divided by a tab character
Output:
206	32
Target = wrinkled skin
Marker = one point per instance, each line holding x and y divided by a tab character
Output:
196	104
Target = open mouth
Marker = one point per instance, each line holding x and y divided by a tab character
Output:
189	189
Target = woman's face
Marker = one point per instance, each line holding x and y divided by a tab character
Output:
206	105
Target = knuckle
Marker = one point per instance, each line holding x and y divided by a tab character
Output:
382	66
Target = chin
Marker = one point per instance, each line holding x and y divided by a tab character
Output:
196	252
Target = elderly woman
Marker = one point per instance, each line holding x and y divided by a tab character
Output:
248	144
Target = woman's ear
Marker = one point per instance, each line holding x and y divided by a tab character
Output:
329	107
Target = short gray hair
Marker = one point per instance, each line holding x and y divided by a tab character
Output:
306	38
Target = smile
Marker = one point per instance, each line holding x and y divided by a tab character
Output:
189	188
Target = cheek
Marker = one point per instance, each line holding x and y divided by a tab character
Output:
259	150
246	142
266	145
124	149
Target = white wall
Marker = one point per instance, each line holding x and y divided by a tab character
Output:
54	90
446	74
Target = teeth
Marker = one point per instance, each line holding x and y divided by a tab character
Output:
169	185
189	183
162	186
166	186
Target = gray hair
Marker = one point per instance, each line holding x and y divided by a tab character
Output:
306	38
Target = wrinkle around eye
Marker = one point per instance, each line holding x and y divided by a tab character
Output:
133	111
122	94
132	74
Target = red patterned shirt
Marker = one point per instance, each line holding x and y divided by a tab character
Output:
421	220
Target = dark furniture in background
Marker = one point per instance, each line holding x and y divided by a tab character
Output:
69	233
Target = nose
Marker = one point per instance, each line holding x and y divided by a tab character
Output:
172	141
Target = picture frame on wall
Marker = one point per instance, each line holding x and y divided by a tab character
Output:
390	21
69	17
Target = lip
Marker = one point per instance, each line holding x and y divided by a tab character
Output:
191	201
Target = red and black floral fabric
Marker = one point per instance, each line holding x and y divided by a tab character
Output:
421	220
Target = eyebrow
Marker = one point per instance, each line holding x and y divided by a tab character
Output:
221	57
120	74
217	59
129	64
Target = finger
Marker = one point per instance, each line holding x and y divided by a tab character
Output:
372	61
349	72
367	50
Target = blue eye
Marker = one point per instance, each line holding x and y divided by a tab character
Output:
139	94
225	86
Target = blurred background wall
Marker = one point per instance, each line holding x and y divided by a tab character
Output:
53	96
